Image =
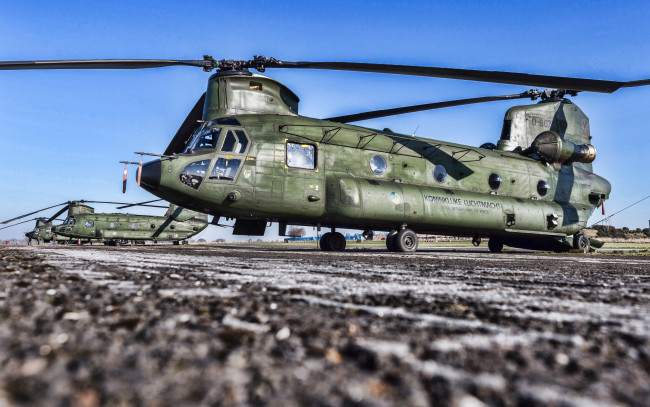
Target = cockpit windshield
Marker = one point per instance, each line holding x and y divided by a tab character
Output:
193	138
204	138
209	138
69	221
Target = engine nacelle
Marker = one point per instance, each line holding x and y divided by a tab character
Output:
550	147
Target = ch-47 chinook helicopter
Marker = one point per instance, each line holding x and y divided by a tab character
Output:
84	225
42	232
254	159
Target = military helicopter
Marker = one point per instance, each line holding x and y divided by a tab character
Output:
84	225
42	232
251	157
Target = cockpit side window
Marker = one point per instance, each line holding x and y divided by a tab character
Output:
243	142
225	169
229	142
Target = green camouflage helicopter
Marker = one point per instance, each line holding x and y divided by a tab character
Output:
83	225
254	159
42	232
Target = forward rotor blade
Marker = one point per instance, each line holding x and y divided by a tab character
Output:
19	223
31	213
102	64
427	106
512	78
143	204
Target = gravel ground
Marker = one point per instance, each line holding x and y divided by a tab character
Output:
264	325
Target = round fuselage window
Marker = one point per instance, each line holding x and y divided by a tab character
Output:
440	173
543	187
378	164
494	180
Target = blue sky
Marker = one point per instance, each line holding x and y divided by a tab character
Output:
62	133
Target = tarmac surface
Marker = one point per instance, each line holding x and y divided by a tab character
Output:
287	326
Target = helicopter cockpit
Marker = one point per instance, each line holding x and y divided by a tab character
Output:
227	141
69	221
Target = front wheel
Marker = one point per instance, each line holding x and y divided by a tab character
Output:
406	241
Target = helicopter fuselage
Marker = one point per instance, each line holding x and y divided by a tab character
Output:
297	170
120	227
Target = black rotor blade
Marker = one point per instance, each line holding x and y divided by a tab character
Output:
103	64
190	123
427	106
19	223
143	204
513	78
31	213
65	208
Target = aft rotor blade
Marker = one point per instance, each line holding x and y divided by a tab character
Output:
177	145
31	213
512	78
19	223
143	204
427	106
103	64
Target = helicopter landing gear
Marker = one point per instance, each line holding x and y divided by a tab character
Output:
390	241
581	242
406	241
403	241
176	242
332	242
495	245
476	241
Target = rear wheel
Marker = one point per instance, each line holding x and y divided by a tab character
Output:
581	242
495	245
406	241
337	242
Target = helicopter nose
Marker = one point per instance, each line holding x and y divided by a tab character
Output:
150	177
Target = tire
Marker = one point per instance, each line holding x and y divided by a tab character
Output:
581	242
495	245
324	242
406	241
336	242
390	241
